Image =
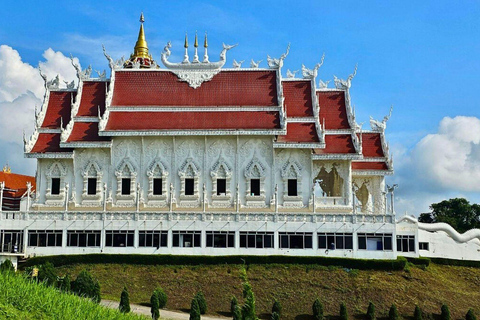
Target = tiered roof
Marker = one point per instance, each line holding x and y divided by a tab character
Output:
15	188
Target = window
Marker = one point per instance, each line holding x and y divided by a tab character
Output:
83	238
152	239
255	187
375	241
117	238
189	187
126	186
220	239
45	238
11	241
157	186
295	240
221	186
186	239
333	241
92	186
292	187
406	243
423	246
55	186
257	240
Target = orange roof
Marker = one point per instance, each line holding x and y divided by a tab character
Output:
17	182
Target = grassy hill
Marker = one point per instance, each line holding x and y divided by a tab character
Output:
21	298
296	287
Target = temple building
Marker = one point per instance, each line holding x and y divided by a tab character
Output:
197	158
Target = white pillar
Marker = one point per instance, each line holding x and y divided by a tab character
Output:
29	190
104	197
138	197
2	186
66	197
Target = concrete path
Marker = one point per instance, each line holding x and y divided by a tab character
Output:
164	314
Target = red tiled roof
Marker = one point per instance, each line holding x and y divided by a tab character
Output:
227	88
337	143
59	106
369	166
85	132
226	120
298	98
48	142
93	95
372	145
16	182
300	132
333	110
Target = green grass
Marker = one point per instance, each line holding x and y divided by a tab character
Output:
21	298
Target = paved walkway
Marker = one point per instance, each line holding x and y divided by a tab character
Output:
164	314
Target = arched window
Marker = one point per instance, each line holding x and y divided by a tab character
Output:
126	178
255	173
292	182
92	183
157	183
55	193
221	174
189	173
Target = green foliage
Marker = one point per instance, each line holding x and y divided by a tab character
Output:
371	311
162	297
277	308
445	315
65	284
343	311
202	303
417	314
246	289
237	313
275	316
124	305
457	212
470	315
155	305
194	310
7	266
393	313
86	286
317	309
420	261
233	305
248	308
48	274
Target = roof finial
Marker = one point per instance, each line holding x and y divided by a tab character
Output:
205	43
186	41
7	168
185	56
195	44
141	48
142	19
196	40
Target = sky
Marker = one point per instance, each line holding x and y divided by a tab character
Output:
421	57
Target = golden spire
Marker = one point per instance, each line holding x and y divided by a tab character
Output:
205	43
196	40
186	41
7	169
141	48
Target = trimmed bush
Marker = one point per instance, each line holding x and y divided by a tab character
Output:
417	314
162	297
7	266
48	274
470	315
393	313
155	305
124	305
194	310
371	311
233	305
445	315
317	309
85	286
65	284
343	311
202	303
277	308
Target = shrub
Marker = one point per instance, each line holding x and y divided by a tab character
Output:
371	311
85	286
7	266
65	284
246	289
417	314
48	274
317	309
233	305
248	309
470	315
155	305
343	311
277	308
393	313
162	298
194	310
124	305
445	315
275	316
202	303
237	313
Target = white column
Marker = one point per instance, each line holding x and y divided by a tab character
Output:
29	190
66	197
2	187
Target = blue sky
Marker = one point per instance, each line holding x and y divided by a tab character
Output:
420	57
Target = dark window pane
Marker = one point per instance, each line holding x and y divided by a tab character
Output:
322	242
411	245
126	186
292	187
268	241
339	242
141	240
209	240
32	239
349	242
259	241
196	240
82	240
109	240
399	244
189	187
157	186
156	240
130	240
92	186
243	241
284	241
176	240
255	187
362	242
55	185
387	243
163	240
221	186
231	240
308	242
251	241
51	240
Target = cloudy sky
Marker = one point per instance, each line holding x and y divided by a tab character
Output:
420	57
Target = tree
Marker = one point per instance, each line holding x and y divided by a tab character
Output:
445	315
202	303
371	311
470	315
194	310
248	308
162	298
457	212
317	309
393	313
343	311
155	305
417	314
85	286
124	305
277	308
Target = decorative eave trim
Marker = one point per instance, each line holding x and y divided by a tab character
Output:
328	89
86	119
301	120
373	159
295	79
117	133
50	155
338	131
78	98
192	109
298	145
86	144
168	70
337	156
28	145
371	172
49	130
67	131
40	117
